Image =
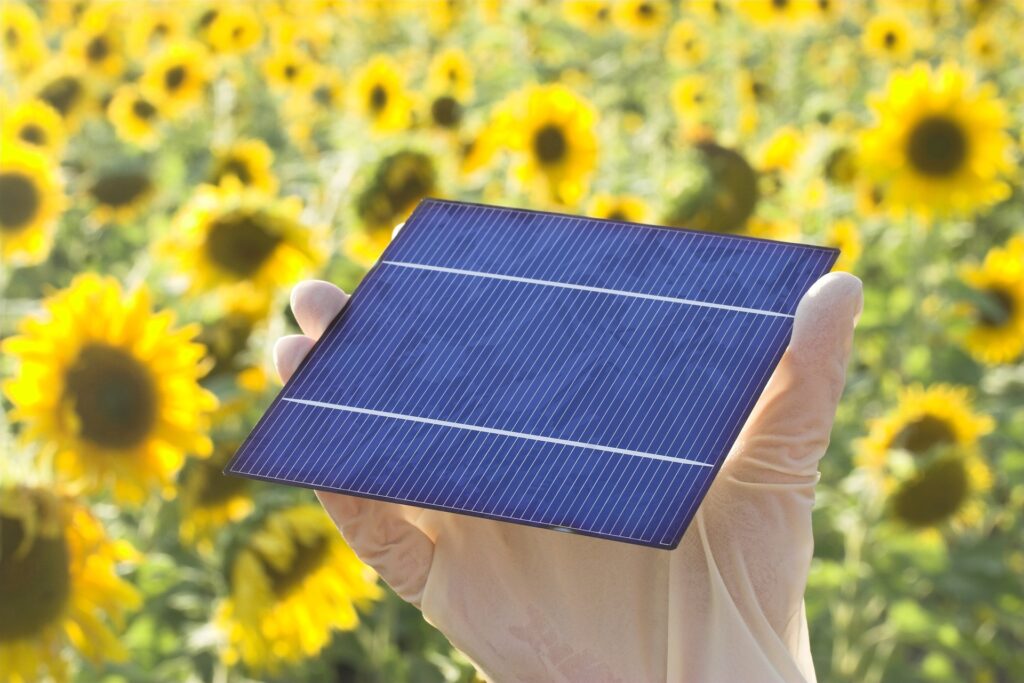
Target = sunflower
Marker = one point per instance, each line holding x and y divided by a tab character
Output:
844	236
119	194
643	18
289	69
31	199
926	456
96	44
23	45
381	96
451	72
211	500
625	207
554	132
985	46
775	13
398	183
593	16
175	77
241	241
235	29
61	85
112	386
939	142
997	333
59	586
685	45
134	116
35	124
159	25
292	582
720	191
890	36
249	161
692	99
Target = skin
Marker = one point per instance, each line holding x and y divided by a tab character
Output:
528	604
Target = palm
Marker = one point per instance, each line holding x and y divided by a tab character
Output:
530	604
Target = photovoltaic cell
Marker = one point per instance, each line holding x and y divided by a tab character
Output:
564	372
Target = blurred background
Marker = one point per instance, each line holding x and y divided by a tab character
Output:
169	170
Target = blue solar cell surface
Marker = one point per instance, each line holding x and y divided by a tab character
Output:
552	370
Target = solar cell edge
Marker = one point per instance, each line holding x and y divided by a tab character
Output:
428	201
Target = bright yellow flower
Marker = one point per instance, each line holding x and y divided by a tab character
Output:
692	99
555	137
210	500
293	581
135	118
939	143
775	13
112	386
62	85
158	26
985	46
31	199
997	333
890	36
642	18
289	70
451	73
626	207
35	124
250	161
60	586
593	16
925	454
241	241
119	194
23	45
175	78
235	29
844	236
685	45
381	96
96	44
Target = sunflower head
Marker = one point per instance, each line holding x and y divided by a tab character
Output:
451	72
289	70
939	143
380	95
112	386
58	585
210	500
175	78
35	124
293	580
685	45
249	162
241	241
62	85
96	44
628	208
890	36
30	201
23	45
844	235
996	313
234	29
642	18
720	193
593	16
118	194
926	456
135	117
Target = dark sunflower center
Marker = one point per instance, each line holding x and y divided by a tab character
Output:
32	134
1000	308
238	33
143	109
890	39
446	111
62	94
291	71
933	495
11	37
113	395
617	215
645	10
322	95
840	167
603	13
97	49
206	18
19	200
378	98
925	433
215	488
241	242
34	586
549	144
174	77
119	189
308	558
937	146
161	30
780	4
236	167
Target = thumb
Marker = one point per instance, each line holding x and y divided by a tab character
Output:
788	431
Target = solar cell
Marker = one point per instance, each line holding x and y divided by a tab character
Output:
564	372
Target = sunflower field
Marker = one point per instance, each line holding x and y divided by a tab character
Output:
168	170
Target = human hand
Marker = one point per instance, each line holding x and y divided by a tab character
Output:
528	604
